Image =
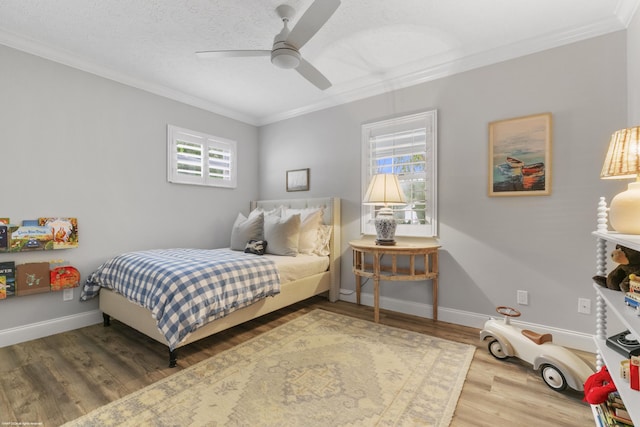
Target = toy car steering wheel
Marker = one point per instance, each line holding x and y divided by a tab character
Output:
508	311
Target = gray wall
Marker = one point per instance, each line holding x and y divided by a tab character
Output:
74	144
633	70
491	247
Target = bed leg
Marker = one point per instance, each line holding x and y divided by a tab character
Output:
173	358
106	319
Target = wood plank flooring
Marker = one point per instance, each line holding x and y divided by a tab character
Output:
56	379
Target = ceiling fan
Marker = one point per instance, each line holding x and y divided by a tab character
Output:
285	52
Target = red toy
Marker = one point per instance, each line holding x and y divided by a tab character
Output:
634	371
598	386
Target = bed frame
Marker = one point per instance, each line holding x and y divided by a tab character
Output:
115	305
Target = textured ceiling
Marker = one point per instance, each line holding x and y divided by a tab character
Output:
366	47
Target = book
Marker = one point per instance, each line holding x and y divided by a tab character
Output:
31	238
614	399
64	230
8	271
600	416
620	412
32	278
614	411
4	237
64	277
609	419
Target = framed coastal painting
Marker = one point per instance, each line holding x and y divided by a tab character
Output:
298	180
520	156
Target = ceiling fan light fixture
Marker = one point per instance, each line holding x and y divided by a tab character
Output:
285	58
285	52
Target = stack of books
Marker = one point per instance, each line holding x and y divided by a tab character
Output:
613	413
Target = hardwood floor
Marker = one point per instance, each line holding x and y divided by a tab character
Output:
59	378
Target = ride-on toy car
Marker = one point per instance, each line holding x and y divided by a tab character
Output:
559	367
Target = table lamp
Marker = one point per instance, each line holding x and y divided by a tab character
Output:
384	190
623	162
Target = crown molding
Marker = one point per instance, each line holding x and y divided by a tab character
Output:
459	65
56	55
353	91
625	11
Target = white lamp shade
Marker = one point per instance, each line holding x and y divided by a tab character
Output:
384	189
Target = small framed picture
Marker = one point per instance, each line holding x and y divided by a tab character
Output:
520	156
298	180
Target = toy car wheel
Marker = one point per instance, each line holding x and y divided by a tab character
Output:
553	377
496	350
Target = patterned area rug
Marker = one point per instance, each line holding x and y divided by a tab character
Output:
321	369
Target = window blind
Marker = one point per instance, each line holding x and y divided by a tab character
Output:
404	146
196	158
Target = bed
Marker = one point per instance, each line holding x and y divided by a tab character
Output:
293	285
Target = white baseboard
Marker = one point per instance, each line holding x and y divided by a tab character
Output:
49	327
571	339
564	337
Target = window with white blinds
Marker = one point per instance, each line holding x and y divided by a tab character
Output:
200	159
405	146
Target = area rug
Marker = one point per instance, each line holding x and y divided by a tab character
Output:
321	369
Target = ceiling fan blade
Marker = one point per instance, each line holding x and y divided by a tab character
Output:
231	53
312	74
313	19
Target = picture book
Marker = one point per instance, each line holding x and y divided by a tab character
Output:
31	238
8	271
64	277
64	231
4	237
32	278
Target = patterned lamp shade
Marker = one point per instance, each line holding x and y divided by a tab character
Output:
623	162
623	157
384	189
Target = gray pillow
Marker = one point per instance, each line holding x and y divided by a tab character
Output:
282	234
245	229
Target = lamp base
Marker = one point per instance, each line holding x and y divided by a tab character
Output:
385	227
624	211
385	242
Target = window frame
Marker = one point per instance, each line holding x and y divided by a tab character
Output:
207	143
396	125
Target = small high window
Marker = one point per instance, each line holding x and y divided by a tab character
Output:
200	159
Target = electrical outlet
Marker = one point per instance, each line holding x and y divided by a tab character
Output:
523	297
584	305
67	294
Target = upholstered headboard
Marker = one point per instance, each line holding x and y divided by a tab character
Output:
331	207
328	203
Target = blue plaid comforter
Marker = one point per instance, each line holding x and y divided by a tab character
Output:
186	288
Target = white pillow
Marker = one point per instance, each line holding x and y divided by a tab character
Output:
310	222
324	238
245	229
281	235
275	211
